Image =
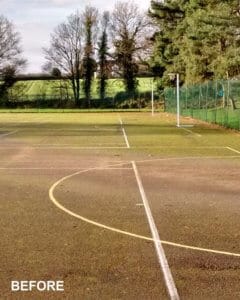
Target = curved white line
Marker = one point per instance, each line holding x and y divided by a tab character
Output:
100	225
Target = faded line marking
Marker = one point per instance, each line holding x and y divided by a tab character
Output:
54	168
71	146
190	131
116	230
73	130
233	150
124	133
179	147
188	157
9	133
171	287
63	147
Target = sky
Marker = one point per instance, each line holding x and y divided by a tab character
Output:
36	19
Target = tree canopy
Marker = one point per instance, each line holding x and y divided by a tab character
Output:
198	39
103	55
67	49
90	21
11	60
129	31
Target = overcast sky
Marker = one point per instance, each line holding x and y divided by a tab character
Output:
36	19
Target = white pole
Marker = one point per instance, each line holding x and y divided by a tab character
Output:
178	102
152	98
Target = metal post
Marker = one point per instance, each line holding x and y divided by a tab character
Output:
178	102
152	98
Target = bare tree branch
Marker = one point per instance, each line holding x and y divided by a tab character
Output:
10	55
66	50
129	30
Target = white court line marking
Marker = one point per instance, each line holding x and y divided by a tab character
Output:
116	230
171	287
70	146
188	157
184	147
62	147
190	131
54	168
175	147
38	168
9	133
74	130
233	150
124	133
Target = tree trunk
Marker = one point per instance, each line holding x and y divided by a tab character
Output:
74	91
233	104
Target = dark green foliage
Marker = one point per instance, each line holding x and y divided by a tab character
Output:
56	72
124	57
8	79
197	39
103	56
168	15
89	64
89	67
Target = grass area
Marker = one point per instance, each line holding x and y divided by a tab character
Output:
53	87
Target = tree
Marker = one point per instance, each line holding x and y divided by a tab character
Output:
129	28
10	54
103	55
210	47
168	17
197	38
67	49
226	59
90	20
199	44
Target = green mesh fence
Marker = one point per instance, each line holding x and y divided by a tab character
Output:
214	102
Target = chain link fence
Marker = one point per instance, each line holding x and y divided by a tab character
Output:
215	102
